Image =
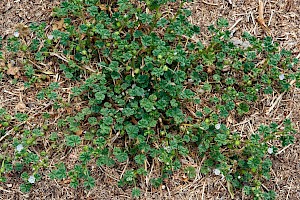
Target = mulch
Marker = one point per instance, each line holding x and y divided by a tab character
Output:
282	20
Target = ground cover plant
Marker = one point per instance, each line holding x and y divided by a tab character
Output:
151	93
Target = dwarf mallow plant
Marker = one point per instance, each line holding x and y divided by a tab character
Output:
153	95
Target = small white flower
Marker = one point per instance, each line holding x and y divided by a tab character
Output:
16	34
281	77
12	62
217	172
31	179
190	80
50	37
270	150
168	149
239	177
218	126
19	148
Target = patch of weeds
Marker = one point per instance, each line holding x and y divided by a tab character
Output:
139	72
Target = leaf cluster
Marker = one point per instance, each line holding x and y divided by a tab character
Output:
140	72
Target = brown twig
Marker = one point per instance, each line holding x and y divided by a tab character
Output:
260	18
278	100
211	4
240	19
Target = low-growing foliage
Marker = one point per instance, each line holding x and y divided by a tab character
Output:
141	75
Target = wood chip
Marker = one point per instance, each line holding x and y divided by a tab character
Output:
230	119
21	107
14	71
79	132
22	29
103	7
58	25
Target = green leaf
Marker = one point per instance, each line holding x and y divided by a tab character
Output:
136	192
74	183
21	117
147	105
183	151
105	160
72	140
190	171
156	182
31	158
120	155
140	159
108	120
60	173
93	10
136	91
146	40
92	121
243	108
85	157
89	183
132	131
287	139
100	142
104	33
221	139
99	96
25	187
138	34
187	94
209	58
222	22
162	22
25	176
